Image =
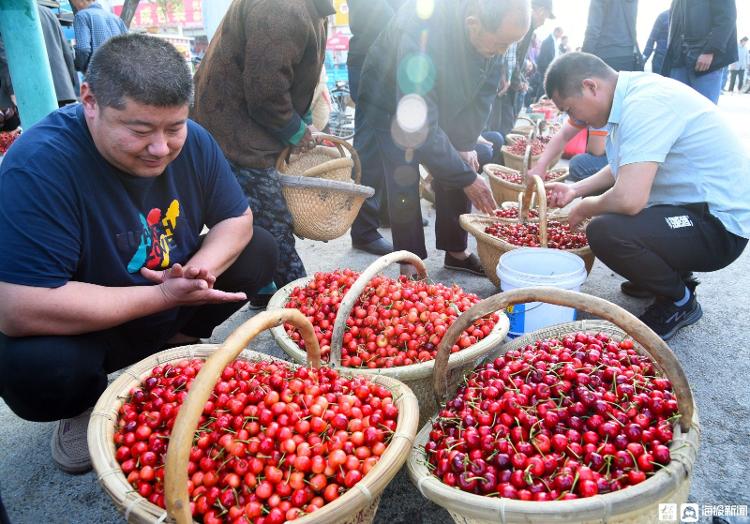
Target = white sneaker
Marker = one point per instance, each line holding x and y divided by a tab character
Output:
70	449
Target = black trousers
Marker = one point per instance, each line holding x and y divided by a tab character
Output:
623	63
503	114
735	75
386	168
49	378
654	248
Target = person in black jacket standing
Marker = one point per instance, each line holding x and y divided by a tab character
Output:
426	89
611	34
702	40
549	50
367	18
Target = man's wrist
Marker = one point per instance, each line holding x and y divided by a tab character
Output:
473	180
162	296
577	190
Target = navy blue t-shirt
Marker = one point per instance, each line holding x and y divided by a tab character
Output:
66	214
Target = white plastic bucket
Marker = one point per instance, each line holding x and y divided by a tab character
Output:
535	267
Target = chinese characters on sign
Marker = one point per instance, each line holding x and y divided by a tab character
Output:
693	512
185	13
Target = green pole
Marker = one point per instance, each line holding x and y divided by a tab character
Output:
27	60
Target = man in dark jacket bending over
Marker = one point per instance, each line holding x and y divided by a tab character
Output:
425	93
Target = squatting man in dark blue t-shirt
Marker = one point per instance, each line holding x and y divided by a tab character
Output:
102	205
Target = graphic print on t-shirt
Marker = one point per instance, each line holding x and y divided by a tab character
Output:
157	239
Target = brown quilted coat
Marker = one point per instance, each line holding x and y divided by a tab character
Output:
256	81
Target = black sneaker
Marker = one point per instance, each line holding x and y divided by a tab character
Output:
258	302
634	290
379	247
470	264
665	318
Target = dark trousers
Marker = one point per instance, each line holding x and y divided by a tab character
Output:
508	115
365	226
654	248
354	71
657	63
734	76
263	190
3	515
385	167
48	378
623	63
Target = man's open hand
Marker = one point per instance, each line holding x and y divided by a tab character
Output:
189	285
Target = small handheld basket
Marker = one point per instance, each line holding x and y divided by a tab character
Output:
328	163
319	191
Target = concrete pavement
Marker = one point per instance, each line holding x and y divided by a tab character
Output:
714	354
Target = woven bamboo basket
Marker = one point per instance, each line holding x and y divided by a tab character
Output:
322	209
504	191
322	198
329	163
559	214
358	505
525	128
515	161
491	248
637	504
417	376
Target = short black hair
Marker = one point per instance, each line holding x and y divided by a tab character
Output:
491	13
567	72
144	68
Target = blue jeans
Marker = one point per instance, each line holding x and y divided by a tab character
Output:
584	165
709	85
489	153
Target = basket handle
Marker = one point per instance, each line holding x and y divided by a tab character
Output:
534	125
175	475
340	144
653	345
352	296
535	183
527	157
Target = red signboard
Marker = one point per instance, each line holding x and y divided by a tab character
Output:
185	13
338	42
